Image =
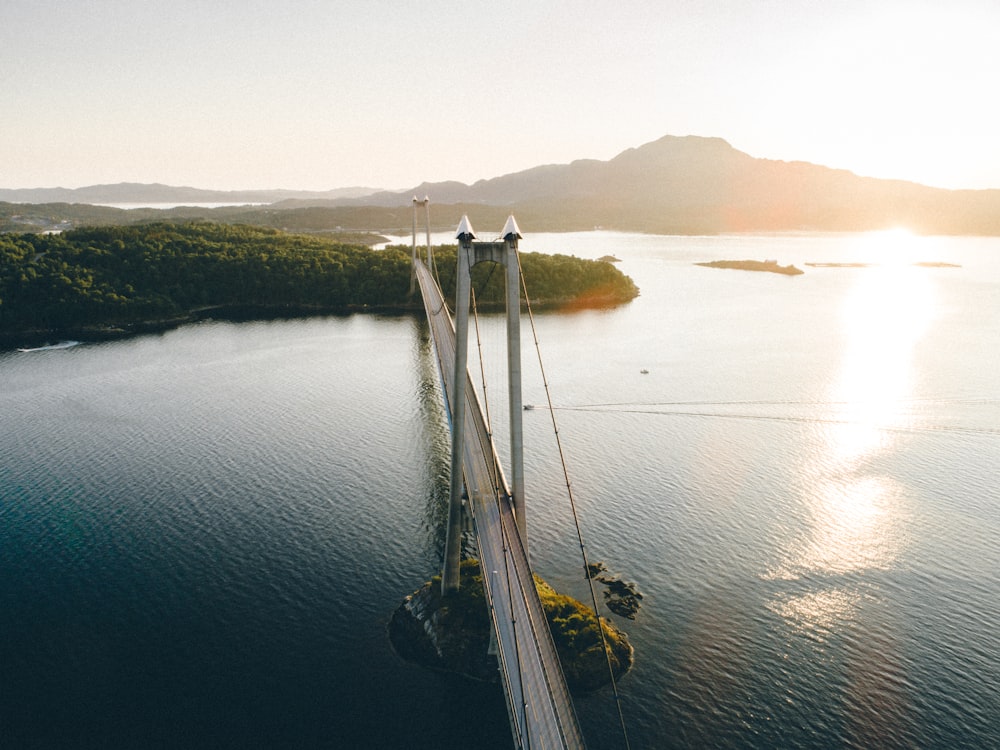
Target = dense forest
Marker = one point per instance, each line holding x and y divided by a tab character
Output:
93	280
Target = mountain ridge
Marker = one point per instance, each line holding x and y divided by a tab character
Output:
156	192
694	185
673	185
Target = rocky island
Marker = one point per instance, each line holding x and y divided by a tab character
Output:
770	266
453	635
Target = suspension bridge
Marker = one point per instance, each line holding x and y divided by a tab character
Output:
538	701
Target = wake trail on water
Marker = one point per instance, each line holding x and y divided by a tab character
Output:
662	408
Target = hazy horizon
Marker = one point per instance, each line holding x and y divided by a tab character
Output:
307	95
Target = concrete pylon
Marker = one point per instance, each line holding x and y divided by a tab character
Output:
453	538
511	234
470	253
413	259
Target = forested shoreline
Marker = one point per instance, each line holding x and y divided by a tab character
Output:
102	281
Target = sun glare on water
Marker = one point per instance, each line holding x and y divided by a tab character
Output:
884	316
856	512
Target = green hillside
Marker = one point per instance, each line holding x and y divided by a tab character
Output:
91	280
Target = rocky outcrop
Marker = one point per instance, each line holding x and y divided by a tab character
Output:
453	634
427	633
621	597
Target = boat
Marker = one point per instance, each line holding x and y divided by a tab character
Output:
644	371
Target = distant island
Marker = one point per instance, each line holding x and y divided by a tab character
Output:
921	264
112	281
840	265
769	266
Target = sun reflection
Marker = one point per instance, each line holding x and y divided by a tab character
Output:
854	515
884	316
818	612
889	247
853	525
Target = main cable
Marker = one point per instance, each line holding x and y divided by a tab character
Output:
497	494
572	503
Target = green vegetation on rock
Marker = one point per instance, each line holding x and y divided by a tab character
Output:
562	281
578	641
453	633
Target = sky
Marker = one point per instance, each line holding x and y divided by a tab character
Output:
322	94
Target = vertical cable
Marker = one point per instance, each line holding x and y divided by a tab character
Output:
572	504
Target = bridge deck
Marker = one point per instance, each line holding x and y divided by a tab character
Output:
538	701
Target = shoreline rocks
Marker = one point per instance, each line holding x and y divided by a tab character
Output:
621	597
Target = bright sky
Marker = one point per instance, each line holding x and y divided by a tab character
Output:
319	94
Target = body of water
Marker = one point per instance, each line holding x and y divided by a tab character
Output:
204	532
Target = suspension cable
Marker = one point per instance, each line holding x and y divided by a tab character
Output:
433	269
507	562
482	375
495	482
572	503
494	469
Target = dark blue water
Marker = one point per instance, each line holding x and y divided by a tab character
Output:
203	533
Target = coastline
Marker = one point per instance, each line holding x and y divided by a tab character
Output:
231	313
111	331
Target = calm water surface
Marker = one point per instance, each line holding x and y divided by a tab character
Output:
203	533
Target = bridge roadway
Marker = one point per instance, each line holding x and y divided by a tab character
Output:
538	701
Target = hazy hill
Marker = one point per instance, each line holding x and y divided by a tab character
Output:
133	192
674	185
693	184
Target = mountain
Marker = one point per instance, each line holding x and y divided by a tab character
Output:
699	185
674	185
133	192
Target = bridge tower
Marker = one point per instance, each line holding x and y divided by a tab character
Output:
470	253
427	215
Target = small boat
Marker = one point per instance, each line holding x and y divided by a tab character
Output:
644	371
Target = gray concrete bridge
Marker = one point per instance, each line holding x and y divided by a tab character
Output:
538	702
